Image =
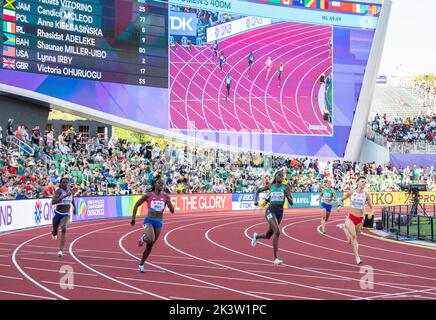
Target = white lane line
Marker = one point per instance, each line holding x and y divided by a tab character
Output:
190	265
344	289
243	262
13	278
120	253
179	298
103	274
262	259
4	249
45	247
284	295
57	271
403	293
409	285
26	295
297	275
124	268
366	256
158	262
5	265
183	275
46	260
14	258
171	283
99	257
95	288
348	271
104	258
239	279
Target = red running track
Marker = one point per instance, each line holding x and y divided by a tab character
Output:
197	85
209	256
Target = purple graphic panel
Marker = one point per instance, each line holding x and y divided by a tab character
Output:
404	160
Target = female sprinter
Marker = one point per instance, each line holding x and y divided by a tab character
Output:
274	212
327	196
63	200
353	222
156	201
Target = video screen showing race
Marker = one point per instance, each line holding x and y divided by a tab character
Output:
231	72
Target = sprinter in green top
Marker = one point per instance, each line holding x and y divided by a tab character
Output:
274	212
327	196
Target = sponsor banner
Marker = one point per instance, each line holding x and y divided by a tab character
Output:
382	79
243	201
309	200
201	202
125	206
183	23
301	200
20	214
231	28
383	199
95	208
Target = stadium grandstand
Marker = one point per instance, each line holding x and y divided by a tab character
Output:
223	126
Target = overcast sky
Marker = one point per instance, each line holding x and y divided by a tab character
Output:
410	45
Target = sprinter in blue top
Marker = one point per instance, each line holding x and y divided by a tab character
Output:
274	212
327	196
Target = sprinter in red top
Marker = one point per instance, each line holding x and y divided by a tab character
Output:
156	201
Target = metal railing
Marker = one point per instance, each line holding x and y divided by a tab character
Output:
398	221
422	147
22	146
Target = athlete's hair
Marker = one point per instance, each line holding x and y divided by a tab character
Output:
153	183
64	178
360	178
275	175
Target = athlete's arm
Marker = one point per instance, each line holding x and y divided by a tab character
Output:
57	196
169	203
136	206
74	207
265	188
289	195
321	194
369	202
335	196
346	196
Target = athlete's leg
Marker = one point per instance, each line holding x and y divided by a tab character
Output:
56	223
350	227
275	227
151	239
266	235
63	224
323	219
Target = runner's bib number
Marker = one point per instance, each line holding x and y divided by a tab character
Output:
277	196
157	205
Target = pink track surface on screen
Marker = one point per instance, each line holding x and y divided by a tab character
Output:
198	89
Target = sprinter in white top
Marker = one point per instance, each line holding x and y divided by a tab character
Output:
353	222
63	200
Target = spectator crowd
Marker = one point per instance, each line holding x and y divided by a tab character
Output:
102	166
421	128
426	89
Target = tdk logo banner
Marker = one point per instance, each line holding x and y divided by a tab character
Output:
183	24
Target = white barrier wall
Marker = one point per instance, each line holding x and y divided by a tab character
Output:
20	214
231	28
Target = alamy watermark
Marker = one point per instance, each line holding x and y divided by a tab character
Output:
66	281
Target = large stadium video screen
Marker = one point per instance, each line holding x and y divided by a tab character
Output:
288	73
296	80
107	55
